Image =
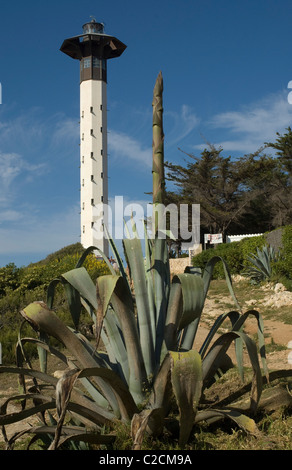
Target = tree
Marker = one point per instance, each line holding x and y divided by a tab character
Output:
268	185
214	182
282	194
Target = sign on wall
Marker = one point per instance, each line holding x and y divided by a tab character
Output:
213	238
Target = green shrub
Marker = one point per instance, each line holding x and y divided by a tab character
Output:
284	265
235	254
229	252
250	245
9	278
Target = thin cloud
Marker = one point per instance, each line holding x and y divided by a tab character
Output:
180	124
12	166
177	126
65	130
254	124
122	146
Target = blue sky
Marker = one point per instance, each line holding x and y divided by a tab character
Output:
226	67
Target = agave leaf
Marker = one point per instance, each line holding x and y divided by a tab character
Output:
185	305
243	421
114	343
82	283
134	255
41	345
193	297
161	282
105	286
190	332
68	433
186	378
83	405
91	437
151	419
41	318
261	339
149	283
51	292
207	276
116	254
127	405
63	394
72	295
212	362
233	316
122	303
10	418
89	250
161	392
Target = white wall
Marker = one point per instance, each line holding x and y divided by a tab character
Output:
237	238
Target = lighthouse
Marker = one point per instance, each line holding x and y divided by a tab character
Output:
93	48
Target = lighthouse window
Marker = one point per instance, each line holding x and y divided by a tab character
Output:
96	62
86	63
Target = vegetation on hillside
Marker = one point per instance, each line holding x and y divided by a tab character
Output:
20	286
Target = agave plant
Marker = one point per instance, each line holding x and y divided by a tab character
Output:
262	264
144	358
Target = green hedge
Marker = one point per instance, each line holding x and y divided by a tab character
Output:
284	266
235	254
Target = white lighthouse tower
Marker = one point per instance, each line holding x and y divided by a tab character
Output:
93	48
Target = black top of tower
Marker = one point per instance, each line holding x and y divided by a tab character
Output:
93	41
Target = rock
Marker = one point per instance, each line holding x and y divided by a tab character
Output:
279	287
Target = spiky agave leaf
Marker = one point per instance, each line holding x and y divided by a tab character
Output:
179	376
145	316
212	362
187	382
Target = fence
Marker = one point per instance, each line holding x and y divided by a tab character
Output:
237	238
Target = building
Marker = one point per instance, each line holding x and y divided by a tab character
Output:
93	48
